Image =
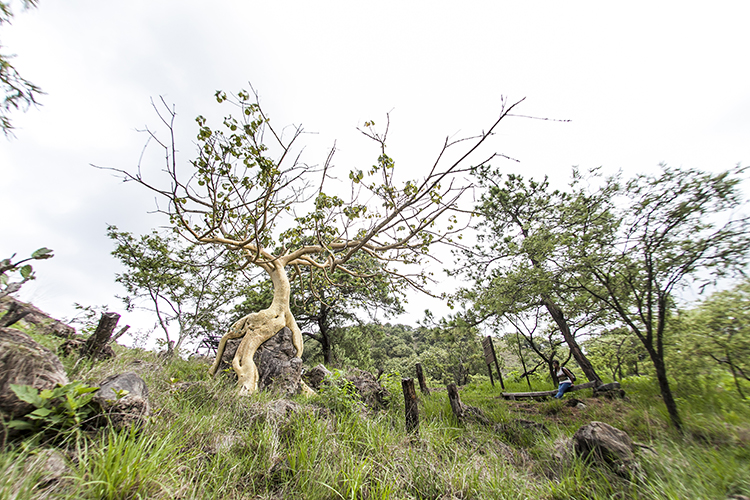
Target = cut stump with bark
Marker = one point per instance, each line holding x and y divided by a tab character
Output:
465	413
96	344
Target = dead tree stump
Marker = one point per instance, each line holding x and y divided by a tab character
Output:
422	384
464	412
95	345
411	405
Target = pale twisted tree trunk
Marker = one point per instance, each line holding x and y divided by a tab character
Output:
256	328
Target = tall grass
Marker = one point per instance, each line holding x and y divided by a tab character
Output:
203	442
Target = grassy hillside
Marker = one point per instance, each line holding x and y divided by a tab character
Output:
203	442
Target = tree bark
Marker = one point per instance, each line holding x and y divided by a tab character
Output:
100	338
411	407
523	361
422	384
256	328
559	317
324	338
666	392
455	401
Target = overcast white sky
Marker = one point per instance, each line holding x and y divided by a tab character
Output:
642	82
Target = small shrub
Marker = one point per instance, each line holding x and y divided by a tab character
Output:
391	382
61	410
339	394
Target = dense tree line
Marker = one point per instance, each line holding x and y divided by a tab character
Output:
448	353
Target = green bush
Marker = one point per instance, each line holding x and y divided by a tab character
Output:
61	411
339	394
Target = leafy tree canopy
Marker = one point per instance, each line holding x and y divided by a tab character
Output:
18	93
661	232
189	288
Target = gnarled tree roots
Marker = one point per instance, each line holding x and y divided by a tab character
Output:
256	328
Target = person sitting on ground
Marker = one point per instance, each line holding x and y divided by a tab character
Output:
564	377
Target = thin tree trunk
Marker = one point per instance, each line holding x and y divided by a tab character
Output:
523	362
734	374
325	339
575	349
325	348
666	391
119	334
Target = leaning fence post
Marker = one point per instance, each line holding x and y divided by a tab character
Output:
410	405
455	401
422	384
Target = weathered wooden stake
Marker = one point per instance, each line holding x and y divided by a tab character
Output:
411	406
422	384
465	413
455	400
100	338
497	366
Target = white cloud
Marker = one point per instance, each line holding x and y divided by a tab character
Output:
643	84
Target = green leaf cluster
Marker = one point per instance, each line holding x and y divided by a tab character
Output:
610	254
25	271
715	336
189	288
18	92
340	394
61	410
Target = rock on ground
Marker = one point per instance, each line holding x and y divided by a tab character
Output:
24	362
603	443
374	395
50	463
610	391
123	399
77	347
44	323
315	376
279	368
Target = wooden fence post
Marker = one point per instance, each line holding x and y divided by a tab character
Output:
411	406
422	384
465	413
455	400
